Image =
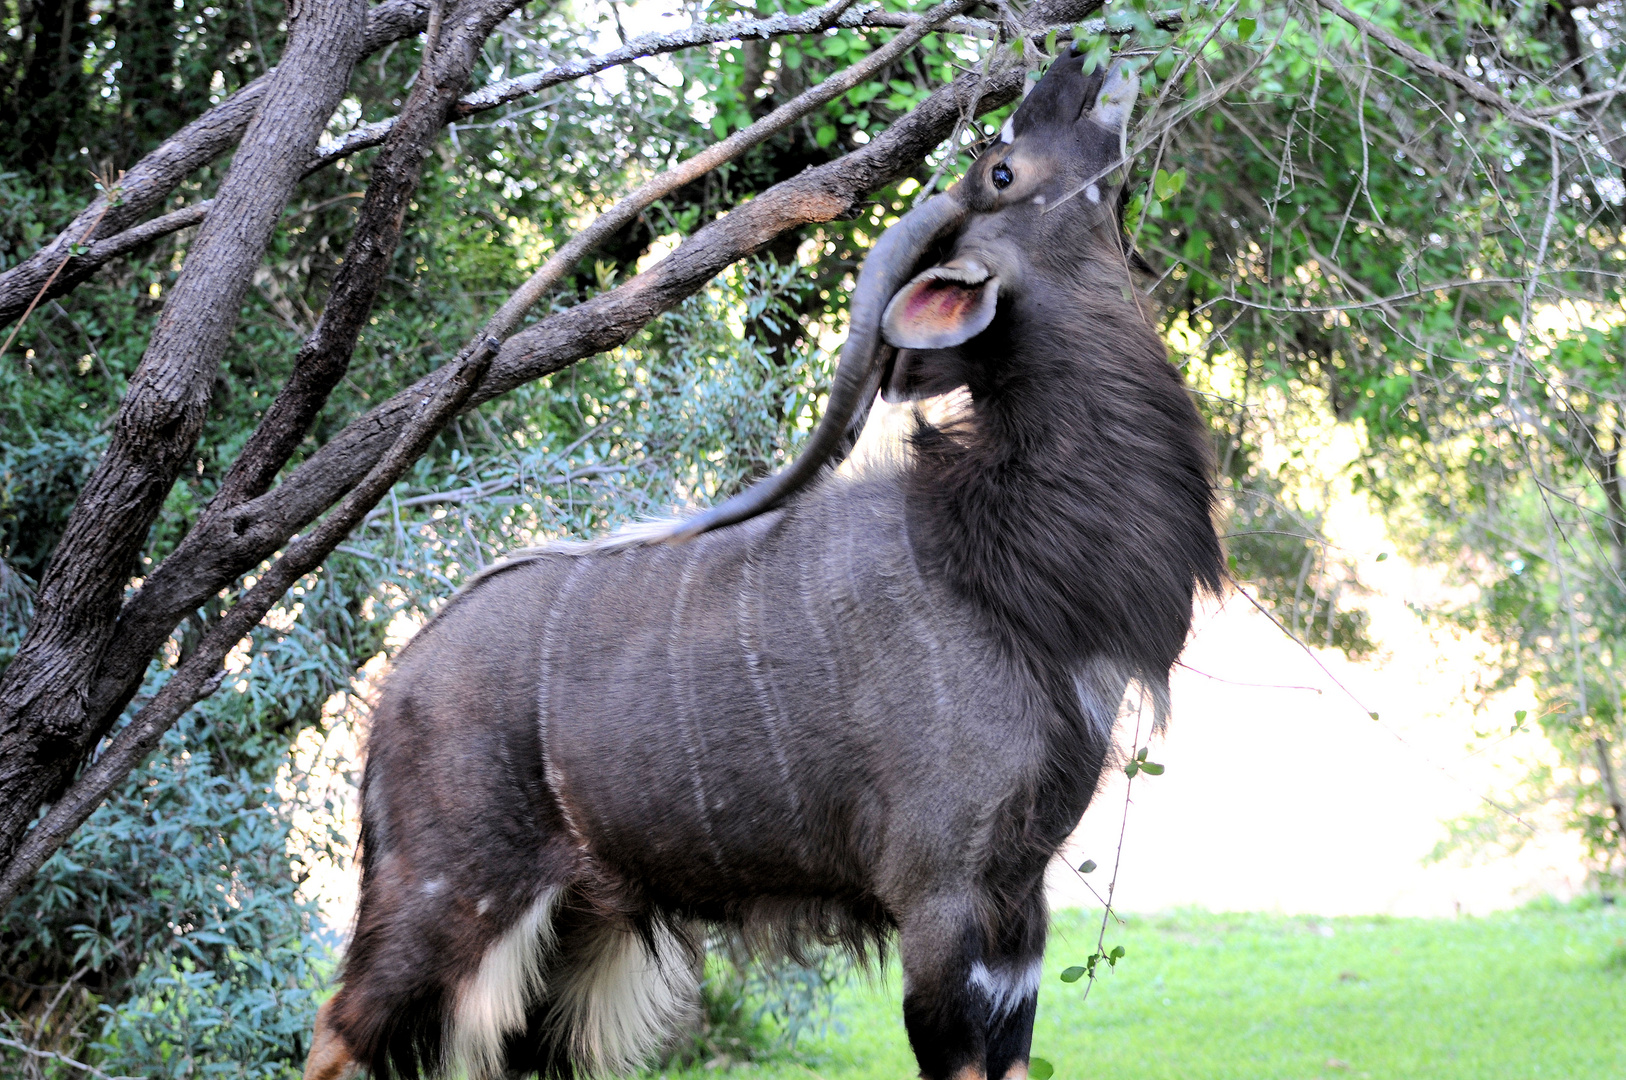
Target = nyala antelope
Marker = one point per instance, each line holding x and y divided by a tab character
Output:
853	709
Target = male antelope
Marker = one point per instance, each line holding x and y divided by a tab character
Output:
875	705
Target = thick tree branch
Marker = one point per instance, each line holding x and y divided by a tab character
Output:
215	553
565	259
44	690
325	355
150	181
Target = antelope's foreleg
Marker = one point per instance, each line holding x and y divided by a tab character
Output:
1009	977
329	1058
944	1010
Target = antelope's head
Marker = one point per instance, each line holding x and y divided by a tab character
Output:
1043	220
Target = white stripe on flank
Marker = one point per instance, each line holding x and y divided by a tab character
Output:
1004	988
767	694
551	774
688	731
494	1001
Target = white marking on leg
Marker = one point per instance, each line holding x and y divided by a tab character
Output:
1093	193
1007	134
620	1001
493	1002
1005	988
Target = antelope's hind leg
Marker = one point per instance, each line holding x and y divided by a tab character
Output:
1009	979
329	1058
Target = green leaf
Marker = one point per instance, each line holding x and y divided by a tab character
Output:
1086	866
1382	555
1072	974
1245	29
1050	43
1040	1069
1151	768
825	135
1373	714
1132	768
1140	755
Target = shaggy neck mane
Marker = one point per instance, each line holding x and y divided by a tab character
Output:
1073	504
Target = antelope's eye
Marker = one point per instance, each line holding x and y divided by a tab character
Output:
1001	175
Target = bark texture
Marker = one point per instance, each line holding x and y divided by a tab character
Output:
43	734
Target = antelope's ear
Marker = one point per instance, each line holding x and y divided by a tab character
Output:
942	307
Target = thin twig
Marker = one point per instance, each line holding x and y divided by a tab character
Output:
1476	90
64	1059
90	230
1311	653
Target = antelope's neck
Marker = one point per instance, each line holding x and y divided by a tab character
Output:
1073	507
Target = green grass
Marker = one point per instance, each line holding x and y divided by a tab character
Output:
1535	993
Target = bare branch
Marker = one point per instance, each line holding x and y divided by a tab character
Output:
325	355
565	259
365	136
149	181
1476	90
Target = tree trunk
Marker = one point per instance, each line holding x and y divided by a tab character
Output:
44	732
